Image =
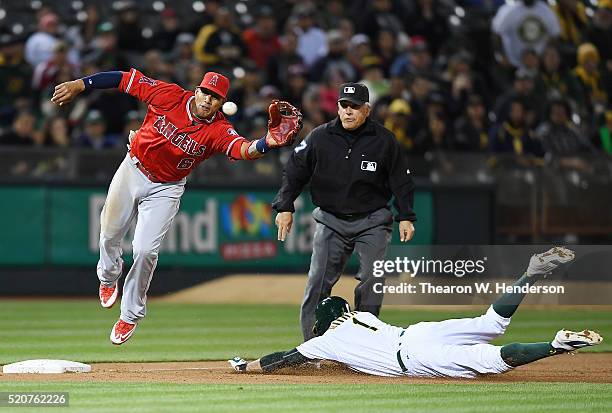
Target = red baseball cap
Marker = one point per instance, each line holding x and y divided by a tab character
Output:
216	82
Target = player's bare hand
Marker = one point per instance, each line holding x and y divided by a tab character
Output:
65	92
284	220
406	230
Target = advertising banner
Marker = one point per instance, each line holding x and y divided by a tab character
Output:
234	229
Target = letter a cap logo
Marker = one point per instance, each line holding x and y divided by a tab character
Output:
216	83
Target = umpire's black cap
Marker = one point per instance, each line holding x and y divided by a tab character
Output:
356	93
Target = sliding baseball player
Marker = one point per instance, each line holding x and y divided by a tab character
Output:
450	348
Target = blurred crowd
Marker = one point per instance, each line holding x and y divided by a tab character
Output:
523	77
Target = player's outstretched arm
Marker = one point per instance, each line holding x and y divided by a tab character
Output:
269	363
65	92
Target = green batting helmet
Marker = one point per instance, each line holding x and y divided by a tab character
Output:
327	311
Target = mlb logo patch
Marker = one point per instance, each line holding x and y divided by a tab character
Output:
349	89
232	131
369	166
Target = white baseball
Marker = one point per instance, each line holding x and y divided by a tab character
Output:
230	108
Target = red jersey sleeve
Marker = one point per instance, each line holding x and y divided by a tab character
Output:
153	92
228	141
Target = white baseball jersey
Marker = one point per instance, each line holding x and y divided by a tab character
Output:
450	348
359	340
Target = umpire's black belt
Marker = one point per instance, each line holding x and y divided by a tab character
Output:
351	217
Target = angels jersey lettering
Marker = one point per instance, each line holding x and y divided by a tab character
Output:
171	142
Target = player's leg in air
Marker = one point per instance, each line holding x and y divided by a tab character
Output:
517	354
117	214
460	347
156	211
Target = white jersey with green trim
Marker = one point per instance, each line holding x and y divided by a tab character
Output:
449	348
361	341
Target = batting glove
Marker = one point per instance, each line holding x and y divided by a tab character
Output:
238	364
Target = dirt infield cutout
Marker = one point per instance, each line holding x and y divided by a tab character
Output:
587	368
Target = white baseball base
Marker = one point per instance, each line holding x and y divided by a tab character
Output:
46	366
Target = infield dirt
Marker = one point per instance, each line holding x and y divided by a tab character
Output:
586	368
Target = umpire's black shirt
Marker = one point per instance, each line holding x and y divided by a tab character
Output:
351	173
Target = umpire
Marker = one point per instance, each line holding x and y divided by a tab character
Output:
354	166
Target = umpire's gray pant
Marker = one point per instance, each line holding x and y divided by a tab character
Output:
333	243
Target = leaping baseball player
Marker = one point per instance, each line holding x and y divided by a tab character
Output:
181	129
450	348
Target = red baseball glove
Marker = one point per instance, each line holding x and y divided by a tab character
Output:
284	123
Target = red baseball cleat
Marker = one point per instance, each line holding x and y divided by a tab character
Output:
108	295
121	332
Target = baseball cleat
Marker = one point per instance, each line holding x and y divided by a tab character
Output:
122	332
545	262
108	295
572	340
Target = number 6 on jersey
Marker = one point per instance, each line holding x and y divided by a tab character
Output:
185	163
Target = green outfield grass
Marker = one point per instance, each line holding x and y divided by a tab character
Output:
176	398
78	330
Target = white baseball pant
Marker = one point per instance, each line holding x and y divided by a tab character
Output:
454	348
132	195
